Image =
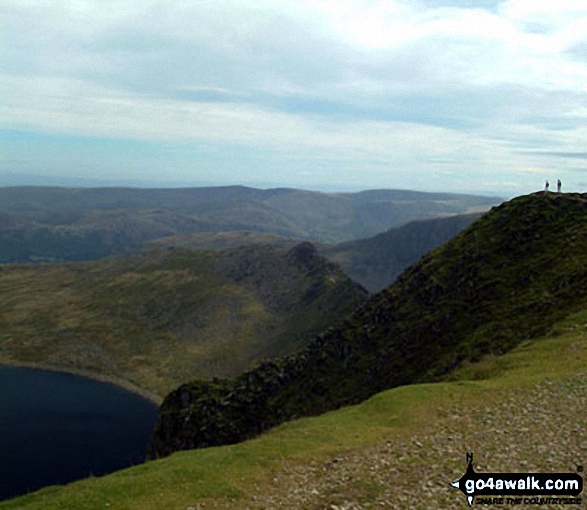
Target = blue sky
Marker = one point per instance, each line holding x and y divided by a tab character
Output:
485	96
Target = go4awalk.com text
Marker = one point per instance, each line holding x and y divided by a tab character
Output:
519	488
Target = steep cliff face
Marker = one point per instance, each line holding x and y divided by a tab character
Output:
505	279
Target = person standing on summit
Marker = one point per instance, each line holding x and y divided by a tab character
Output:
546	185
558	186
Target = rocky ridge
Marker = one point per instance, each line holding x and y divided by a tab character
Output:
507	278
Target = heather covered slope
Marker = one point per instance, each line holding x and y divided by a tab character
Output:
507	278
156	320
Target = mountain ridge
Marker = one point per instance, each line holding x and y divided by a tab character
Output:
506	278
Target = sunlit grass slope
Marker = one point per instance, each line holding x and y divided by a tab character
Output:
394	426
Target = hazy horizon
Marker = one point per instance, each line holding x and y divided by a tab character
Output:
481	97
16	180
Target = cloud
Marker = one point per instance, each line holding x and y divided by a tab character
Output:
478	81
578	51
548	154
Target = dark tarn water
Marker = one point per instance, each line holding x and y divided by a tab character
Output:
56	428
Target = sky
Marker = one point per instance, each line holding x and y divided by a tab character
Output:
486	96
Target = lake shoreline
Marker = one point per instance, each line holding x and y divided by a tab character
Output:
116	381
58	427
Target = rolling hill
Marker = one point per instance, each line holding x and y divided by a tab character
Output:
218	240
60	224
155	320
506	279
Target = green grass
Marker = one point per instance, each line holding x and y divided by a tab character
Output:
226	476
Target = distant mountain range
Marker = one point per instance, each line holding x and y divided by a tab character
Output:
44	224
505	279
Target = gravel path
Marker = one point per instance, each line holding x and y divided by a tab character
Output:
540	429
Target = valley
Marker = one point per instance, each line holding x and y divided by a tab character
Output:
183	294
375	262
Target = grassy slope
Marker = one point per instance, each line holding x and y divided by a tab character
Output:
245	475
219	240
506	279
159	319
